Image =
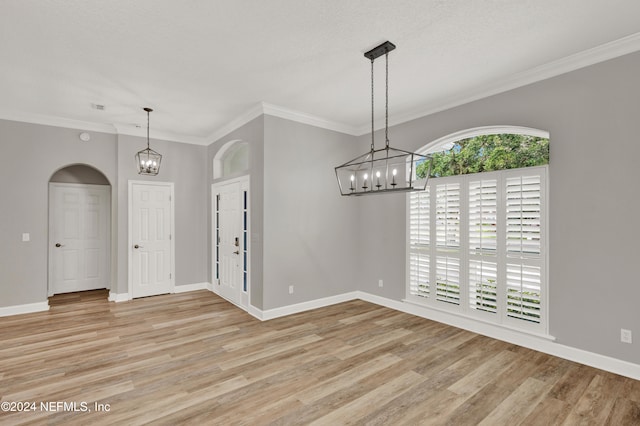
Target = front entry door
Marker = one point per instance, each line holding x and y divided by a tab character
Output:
230	241
151	239
78	237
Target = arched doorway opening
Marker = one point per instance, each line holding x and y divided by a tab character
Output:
79	230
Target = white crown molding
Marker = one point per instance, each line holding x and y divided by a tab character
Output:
47	120
604	52
113	129
264	108
236	123
132	130
312	120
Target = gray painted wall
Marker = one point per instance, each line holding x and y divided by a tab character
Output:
310	231
306	235
185	166
23	265
593	116
253	134
25	199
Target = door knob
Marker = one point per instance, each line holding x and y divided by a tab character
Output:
59	245
137	246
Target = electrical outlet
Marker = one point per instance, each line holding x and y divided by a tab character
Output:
26	237
380	283
625	336
290	289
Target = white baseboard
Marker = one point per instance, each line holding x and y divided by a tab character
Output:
24	309
191	287
255	312
306	306
538	343
119	297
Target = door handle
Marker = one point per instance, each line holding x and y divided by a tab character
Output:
137	246
59	245
236	252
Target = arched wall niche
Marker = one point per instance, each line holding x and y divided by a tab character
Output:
79	173
231	160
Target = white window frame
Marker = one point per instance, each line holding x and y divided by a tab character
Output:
463	309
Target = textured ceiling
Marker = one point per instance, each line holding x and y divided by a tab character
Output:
202	63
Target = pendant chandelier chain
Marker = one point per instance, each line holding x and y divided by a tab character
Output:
386	100
148	128
387	169
372	138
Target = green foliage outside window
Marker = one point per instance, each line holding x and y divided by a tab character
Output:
488	153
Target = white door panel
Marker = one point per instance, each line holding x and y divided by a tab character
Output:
151	251
230	250
78	237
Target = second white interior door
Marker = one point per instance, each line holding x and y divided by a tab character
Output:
78	237
151	239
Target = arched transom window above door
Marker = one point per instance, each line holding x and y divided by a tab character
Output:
231	160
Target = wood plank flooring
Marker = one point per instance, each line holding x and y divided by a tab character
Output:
193	358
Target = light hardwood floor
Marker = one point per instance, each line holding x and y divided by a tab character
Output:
193	358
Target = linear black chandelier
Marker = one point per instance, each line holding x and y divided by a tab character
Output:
386	169
148	160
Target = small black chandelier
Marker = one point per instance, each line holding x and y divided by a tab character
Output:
386	169
148	160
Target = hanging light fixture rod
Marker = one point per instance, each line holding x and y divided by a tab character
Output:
386	169
378	51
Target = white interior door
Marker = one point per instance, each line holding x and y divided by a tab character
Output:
79	237
229	250
150	235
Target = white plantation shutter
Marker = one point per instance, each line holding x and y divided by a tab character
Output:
476	242
447	250
523	214
419	226
419	240
448	279
419	274
448	215
483	286
483	215
523	292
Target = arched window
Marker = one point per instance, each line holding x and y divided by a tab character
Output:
486	149
477	233
231	160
